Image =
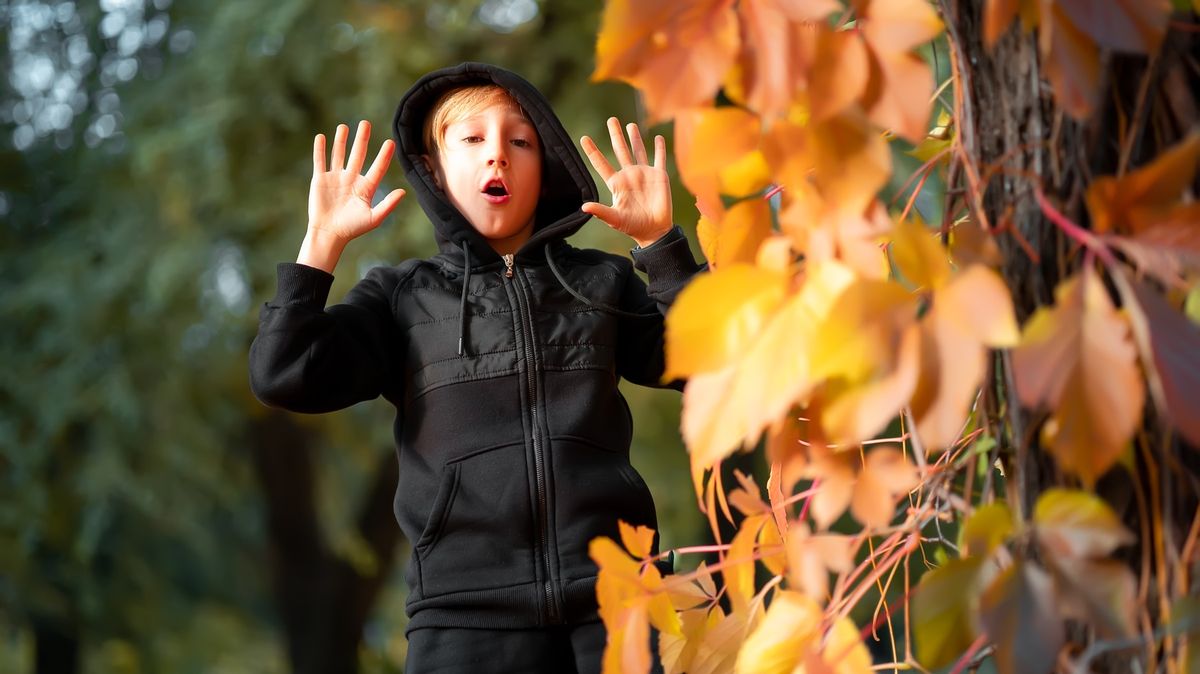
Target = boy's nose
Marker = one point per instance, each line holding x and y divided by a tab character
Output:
498	160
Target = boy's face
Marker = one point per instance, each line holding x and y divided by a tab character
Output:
490	166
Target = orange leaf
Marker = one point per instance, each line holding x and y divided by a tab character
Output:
1077	360
1123	25
840	74
675	52
898	96
1146	197
1169	345
777	51
843	652
850	160
972	311
810	558
716	150
898	25
886	474
1072	63
997	15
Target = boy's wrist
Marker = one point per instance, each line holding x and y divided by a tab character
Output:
653	239
321	249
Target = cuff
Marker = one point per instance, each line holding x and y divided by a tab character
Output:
300	284
670	256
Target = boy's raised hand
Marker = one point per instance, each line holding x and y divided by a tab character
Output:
339	197
641	191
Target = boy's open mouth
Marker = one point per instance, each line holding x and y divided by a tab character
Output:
495	191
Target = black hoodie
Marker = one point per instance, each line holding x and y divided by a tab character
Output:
514	447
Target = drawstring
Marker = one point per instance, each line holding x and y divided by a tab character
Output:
462	305
579	296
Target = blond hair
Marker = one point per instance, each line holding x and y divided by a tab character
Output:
458	104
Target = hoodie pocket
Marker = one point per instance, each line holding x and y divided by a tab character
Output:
477	535
441	507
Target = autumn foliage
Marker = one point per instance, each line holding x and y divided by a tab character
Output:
879	362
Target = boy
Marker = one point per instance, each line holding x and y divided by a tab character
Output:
501	354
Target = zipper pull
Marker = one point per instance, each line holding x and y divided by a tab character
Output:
508	264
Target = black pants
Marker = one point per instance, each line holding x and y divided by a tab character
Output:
554	650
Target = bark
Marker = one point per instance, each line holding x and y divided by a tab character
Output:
323	601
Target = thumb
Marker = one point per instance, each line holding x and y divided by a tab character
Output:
386	206
608	214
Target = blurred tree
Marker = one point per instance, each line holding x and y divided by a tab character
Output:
154	170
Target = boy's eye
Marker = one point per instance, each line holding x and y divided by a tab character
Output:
521	142
472	139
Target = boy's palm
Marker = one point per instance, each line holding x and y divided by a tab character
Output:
339	199
641	191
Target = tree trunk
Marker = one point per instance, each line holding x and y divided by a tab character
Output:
323	601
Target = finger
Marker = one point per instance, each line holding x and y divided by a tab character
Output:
618	142
337	162
358	153
608	214
318	154
660	152
635	141
386	205
594	155
379	166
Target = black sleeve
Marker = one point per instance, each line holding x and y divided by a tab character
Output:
669	266
307	358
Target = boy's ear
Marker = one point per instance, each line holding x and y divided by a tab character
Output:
431	166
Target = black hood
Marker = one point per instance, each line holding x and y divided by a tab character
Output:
566	182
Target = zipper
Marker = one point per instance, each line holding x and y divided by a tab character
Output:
538	459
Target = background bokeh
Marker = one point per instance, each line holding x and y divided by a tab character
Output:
154	168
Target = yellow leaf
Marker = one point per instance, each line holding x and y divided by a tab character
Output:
786	632
718	315
920	258
675	52
637	540
868	350
1075	523
944	609
842	653
986	529
1077	359
659	608
739	572
724	409
739	234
